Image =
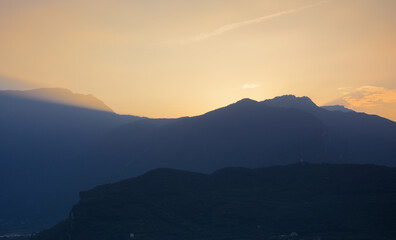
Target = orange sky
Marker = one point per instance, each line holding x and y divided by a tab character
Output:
173	58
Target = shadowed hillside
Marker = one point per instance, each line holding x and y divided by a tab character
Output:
299	201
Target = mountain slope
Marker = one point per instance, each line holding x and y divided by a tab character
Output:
337	108
246	133
350	137
311	201
253	134
44	149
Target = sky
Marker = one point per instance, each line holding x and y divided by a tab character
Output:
173	58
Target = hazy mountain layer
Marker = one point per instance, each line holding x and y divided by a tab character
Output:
337	108
60	96
43	158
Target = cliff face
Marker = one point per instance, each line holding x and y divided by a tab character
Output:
300	201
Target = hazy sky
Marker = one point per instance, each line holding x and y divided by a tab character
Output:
170	58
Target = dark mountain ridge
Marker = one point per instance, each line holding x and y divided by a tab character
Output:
313	201
291	101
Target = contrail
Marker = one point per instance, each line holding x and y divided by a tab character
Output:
233	26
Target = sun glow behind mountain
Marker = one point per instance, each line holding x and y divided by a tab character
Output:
174	58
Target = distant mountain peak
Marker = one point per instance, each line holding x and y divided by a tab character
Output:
244	104
62	96
340	108
50	90
291	101
246	101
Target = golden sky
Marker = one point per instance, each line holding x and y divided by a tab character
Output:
171	58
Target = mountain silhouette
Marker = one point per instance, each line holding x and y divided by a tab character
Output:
299	201
248	133
351	137
50	150
291	101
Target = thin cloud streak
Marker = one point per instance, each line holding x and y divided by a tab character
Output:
234	26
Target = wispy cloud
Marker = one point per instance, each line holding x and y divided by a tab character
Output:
233	26
369	99
250	86
370	96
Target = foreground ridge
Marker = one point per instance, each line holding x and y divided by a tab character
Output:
298	201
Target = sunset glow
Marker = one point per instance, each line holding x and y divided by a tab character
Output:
173	58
